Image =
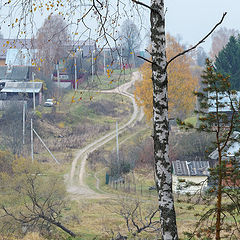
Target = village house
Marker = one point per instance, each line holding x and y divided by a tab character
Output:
21	91
230	156
190	176
16	52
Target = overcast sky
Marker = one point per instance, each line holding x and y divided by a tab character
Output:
191	19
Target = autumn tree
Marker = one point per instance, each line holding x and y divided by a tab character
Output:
180	88
50	41
219	40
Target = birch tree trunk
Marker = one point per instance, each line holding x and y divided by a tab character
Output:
160	121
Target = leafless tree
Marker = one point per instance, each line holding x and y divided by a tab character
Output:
220	39
130	39
40	199
138	216
51	41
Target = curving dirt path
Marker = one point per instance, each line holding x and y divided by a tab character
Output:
75	182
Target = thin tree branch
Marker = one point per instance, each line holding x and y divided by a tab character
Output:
200	42
58	224
144	5
145	59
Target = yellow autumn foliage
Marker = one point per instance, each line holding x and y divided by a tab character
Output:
181	84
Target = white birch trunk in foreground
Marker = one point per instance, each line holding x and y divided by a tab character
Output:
161	124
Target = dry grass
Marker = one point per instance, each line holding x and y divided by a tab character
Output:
29	236
33	236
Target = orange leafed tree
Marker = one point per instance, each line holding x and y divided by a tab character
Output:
181	84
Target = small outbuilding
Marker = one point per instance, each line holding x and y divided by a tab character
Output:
22	91
190	176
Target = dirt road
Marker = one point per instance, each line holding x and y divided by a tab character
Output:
75	181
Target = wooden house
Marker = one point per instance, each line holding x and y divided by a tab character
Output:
20	91
190	176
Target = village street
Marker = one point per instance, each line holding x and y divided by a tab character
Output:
75	180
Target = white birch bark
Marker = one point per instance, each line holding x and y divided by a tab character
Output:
161	124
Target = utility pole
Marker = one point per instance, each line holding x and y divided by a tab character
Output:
58	79
34	97
92	64
24	119
117	145
34	131
32	139
133	58
121	62
75	73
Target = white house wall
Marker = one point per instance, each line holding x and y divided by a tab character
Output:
179	186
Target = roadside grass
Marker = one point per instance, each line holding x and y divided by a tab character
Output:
187	212
129	137
192	120
83	107
106	82
144	180
81	122
91	181
99	218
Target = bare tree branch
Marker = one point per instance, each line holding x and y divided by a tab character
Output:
58	224
146	60
144	5
200	42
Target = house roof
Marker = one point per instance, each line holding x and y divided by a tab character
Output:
231	149
26	44
190	168
16	73
81	46
6	44
20	57
22	87
224	99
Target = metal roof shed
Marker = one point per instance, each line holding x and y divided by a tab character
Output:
22	87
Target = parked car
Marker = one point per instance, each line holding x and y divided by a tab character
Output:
49	103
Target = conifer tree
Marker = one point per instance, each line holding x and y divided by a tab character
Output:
228	62
220	116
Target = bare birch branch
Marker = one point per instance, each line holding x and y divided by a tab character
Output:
200	42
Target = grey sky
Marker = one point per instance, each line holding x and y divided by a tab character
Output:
192	19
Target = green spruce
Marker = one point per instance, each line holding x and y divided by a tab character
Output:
228	62
219	111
